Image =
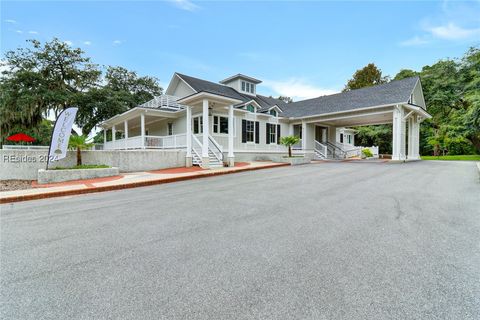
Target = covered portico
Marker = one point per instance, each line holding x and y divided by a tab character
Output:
203	151
405	119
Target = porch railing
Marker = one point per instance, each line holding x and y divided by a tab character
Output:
178	141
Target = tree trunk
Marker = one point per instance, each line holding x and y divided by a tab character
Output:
79	157
290	151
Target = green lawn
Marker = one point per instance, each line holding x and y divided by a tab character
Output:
474	157
84	166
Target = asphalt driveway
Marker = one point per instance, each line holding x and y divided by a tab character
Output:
321	241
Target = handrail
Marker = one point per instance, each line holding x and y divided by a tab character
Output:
321	148
220	156
335	147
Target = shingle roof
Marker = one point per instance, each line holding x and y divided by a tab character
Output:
394	92
223	90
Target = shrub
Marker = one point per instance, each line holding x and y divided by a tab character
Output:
367	153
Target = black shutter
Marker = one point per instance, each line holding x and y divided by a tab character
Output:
268	133
257	132
278	134
244	131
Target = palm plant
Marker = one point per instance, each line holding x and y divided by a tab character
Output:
289	141
79	143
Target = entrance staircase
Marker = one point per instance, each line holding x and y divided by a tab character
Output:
215	153
333	151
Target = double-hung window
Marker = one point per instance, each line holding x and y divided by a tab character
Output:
273	133
198	125
220	124
250	129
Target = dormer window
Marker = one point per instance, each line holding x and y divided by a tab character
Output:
248	87
251	108
273	112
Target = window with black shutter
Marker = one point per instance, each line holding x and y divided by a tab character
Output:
278	134
267	133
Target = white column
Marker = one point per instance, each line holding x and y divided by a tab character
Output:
231	159
205	158
125	129
290	130
398	136
304	136
114	133
411	143
189	137
415	138
104	137
142	129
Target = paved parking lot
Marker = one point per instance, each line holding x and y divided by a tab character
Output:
321	241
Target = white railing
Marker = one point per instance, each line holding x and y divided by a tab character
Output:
215	148
196	150
164	101
24	147
321	148
178	141
353	152
166	142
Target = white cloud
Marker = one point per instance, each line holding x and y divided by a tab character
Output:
117	42
185	5
298	89
87	43
19	31
3	66
415	41
10	21
32	32
68	42
451	31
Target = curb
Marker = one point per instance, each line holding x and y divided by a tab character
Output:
56	194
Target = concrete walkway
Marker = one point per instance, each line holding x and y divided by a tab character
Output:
125	181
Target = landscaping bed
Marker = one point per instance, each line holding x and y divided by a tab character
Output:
69	174
9	185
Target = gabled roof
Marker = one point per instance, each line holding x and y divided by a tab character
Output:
394	92
201	85
240	76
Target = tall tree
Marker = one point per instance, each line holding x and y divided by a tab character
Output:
42	79
368	76
123	90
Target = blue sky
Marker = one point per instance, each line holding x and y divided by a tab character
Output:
300	49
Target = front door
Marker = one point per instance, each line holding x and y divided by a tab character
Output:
321	134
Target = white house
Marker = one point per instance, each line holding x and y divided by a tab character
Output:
218	123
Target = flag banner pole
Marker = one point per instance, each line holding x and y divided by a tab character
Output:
61	135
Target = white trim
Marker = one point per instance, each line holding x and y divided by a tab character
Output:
344	111
205	95
223	134
179	77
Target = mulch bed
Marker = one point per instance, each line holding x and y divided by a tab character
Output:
8	185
